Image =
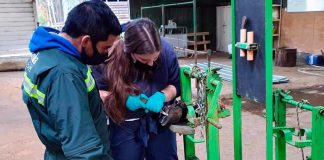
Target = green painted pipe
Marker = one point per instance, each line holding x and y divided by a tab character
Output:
196	140
298	104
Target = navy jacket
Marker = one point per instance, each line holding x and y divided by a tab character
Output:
167	73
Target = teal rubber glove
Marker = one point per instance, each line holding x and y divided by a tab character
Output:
155	102
135	102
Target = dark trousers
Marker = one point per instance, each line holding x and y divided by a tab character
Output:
128	144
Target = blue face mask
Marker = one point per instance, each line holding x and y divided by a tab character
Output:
96	58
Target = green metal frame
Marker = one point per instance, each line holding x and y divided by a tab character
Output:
214	112
237	106
312	137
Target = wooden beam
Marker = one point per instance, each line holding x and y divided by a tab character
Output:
198	34
190	43
190	50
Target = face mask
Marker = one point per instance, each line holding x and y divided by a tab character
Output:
96	58
144	67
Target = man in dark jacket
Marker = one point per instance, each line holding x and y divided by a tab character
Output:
58	88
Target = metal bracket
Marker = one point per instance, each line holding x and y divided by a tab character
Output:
246	46
288	133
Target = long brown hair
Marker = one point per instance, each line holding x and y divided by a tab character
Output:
141	37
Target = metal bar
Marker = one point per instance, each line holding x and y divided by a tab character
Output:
141	12
268	77
209	52
186	96
317	133
289	99
168	5
192	139
194	8
213	152
149	7
213	99
163	20
179	4
237	106
298	104
212	130
280	121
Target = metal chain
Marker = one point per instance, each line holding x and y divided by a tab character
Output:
298	123
201	102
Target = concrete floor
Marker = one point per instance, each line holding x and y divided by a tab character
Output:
18	140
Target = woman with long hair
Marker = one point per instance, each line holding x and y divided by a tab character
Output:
140	77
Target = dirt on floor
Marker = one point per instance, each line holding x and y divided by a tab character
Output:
18	140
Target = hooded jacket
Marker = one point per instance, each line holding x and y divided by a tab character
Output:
63	100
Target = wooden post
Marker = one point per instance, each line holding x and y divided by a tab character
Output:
242	39
250	39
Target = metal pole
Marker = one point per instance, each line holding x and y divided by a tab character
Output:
212	132
141	12
237	105
179	4
163	20
194	6
186	96
209	52
317	133
298	104
149	7
280	121
268	77
168	5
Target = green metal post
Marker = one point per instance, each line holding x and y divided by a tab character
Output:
318	133
212	139
268	74
237	107
189	146
280	121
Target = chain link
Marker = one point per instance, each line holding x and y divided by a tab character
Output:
201	102
300	104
